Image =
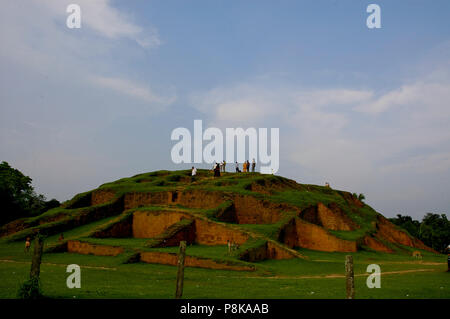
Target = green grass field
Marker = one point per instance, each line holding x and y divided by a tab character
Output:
322	276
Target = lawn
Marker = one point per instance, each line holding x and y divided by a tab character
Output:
321	276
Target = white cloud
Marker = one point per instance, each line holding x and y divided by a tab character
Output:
132	89
353	138
247	103
53	82
427	95
35	36
107	21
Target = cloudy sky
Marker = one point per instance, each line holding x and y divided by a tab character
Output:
367	110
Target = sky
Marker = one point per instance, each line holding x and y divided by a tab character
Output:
367	110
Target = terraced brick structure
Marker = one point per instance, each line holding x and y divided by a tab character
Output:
230	222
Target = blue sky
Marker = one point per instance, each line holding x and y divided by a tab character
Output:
364	109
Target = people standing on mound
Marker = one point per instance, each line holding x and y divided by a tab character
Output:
246	166
217	170
193	173
223	165
237	168
253	165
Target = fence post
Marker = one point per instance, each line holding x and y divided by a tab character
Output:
349	276
37	256
180	274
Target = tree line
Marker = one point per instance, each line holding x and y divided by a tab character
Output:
17	196
433	230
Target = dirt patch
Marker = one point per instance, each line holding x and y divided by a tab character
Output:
251	210
209	233
314	237
75	246
101	197
350	199
134	200
376	244
331	217
389	232
200	199
190	261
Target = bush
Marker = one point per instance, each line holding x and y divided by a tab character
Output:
30	289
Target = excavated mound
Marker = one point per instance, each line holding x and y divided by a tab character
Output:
300	233
331	217
393	234
268	217
376	244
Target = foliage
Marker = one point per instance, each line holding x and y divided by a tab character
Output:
433	231
30	289
17	196
407	223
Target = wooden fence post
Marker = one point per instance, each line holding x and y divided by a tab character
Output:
37	256
349	276
180	274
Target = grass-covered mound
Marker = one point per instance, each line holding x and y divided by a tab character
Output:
263	217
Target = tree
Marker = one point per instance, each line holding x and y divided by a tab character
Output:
17	196
407	223
435	231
